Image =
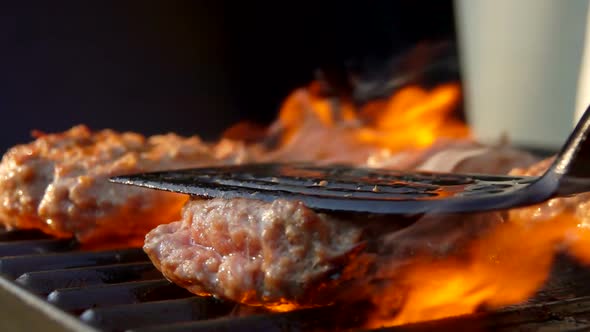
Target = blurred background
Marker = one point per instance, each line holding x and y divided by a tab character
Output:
197	67
193	67
523	67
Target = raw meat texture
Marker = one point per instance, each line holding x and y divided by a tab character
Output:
282	254
256	252
58	183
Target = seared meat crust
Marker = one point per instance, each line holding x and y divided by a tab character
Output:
254	252
58	183
284	253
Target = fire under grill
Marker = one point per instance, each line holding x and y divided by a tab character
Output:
52	285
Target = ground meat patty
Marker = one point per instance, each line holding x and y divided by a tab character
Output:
257	252
58	183
284	253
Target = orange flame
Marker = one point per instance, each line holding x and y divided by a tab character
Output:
505	267
313	127
414	118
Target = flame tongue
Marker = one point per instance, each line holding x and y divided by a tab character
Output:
442	265
506	265
311	127
413	118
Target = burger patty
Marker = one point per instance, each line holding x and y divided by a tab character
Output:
58	183
282	252
257	252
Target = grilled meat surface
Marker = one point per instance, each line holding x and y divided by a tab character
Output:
58	183
255	252
282	252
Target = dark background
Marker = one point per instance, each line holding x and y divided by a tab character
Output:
193	67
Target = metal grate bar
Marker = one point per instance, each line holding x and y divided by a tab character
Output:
44	282
568	315
123	317
120	290
14	266
81	298
318	319
30	247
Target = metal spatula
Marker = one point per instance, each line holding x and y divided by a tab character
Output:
353	189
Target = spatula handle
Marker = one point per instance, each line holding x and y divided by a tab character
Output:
574	158
570	172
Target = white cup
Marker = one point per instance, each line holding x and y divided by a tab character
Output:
583	99
521	63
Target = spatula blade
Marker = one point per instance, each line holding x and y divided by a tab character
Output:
344	188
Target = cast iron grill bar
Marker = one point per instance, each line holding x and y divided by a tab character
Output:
41	246
14	266
319	319
568	315
44	282
123	317
565	315
79	281
81	298
120	290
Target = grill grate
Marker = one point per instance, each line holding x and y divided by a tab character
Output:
52	285
116	290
